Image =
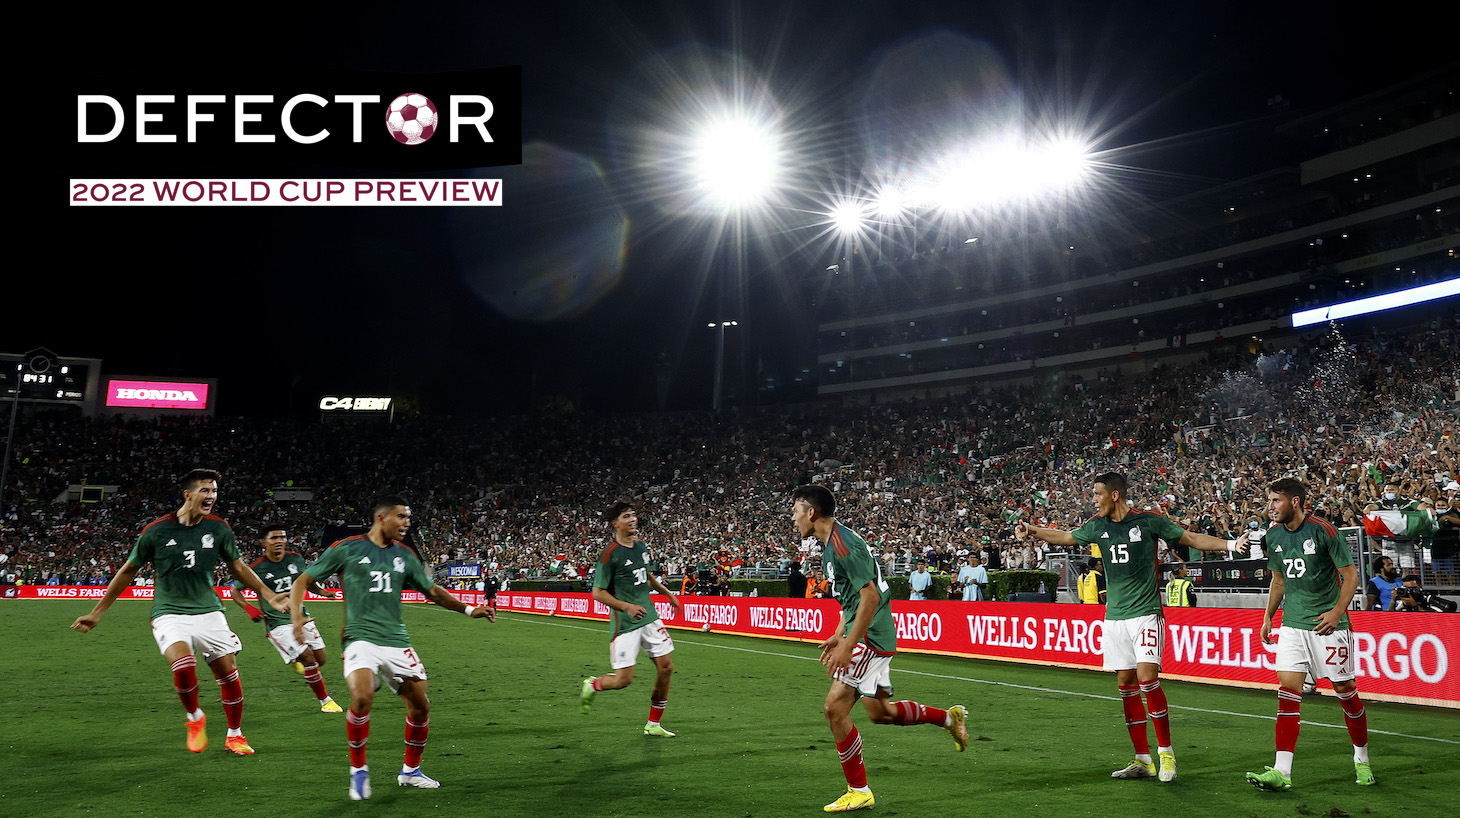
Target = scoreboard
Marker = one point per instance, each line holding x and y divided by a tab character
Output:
42	377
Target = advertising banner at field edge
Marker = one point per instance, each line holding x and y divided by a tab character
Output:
1401	657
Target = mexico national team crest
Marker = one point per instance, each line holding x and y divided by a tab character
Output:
1135	534
207	540
293	569
399	565
1309	547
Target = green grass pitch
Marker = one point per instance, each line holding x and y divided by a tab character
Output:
95	728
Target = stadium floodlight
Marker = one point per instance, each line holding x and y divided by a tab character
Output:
847	216
736	160
890	202
1378	303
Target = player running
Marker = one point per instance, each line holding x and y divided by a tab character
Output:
1313	579
278	569
858	656
187	616
623	582
1134	634
374	569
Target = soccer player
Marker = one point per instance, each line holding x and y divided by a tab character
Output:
1313	578
187	616
1134	635
374	569
858	656
277	569
623	582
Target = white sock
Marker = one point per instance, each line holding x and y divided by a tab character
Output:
1284	763
1361	753
404	770
354	770
1165	750
1144	758
860	789
235	732
195	715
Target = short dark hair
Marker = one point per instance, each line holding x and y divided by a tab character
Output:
386	502
1377	565
817	496
1411	578
1291	486
1114	481
191	480
264	530
612	512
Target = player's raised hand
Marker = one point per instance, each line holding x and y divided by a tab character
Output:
1240	546
1021	531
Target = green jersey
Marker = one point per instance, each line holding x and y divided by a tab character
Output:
372	578
850	566
1308	561
623	571
183	557
279	578
1128	549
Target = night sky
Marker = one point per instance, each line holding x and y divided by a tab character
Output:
590	282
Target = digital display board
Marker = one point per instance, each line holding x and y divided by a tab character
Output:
156	394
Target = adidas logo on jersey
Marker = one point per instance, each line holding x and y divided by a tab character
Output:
363	561
170	542
628	562
1105	535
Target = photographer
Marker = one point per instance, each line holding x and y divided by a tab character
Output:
1409	596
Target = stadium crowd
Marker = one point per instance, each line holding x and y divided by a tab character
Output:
927	478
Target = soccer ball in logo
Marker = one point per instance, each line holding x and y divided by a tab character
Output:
411	119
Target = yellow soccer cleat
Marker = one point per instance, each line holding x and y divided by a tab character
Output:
851	800
1136	769
657	730
299	668
238	745
329	706
1363	774
198	735
957	728
1168	767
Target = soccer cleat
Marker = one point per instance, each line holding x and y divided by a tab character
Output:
198	735
360	784
1363	774
238	745
1136	769
329	706
1270	779
1168	767
657	730
957	728
299	668
419	780
850	800
585	699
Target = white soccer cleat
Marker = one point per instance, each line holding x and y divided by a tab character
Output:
416	778
360	784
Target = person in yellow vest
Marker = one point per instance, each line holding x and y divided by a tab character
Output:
1092	584
1179	593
